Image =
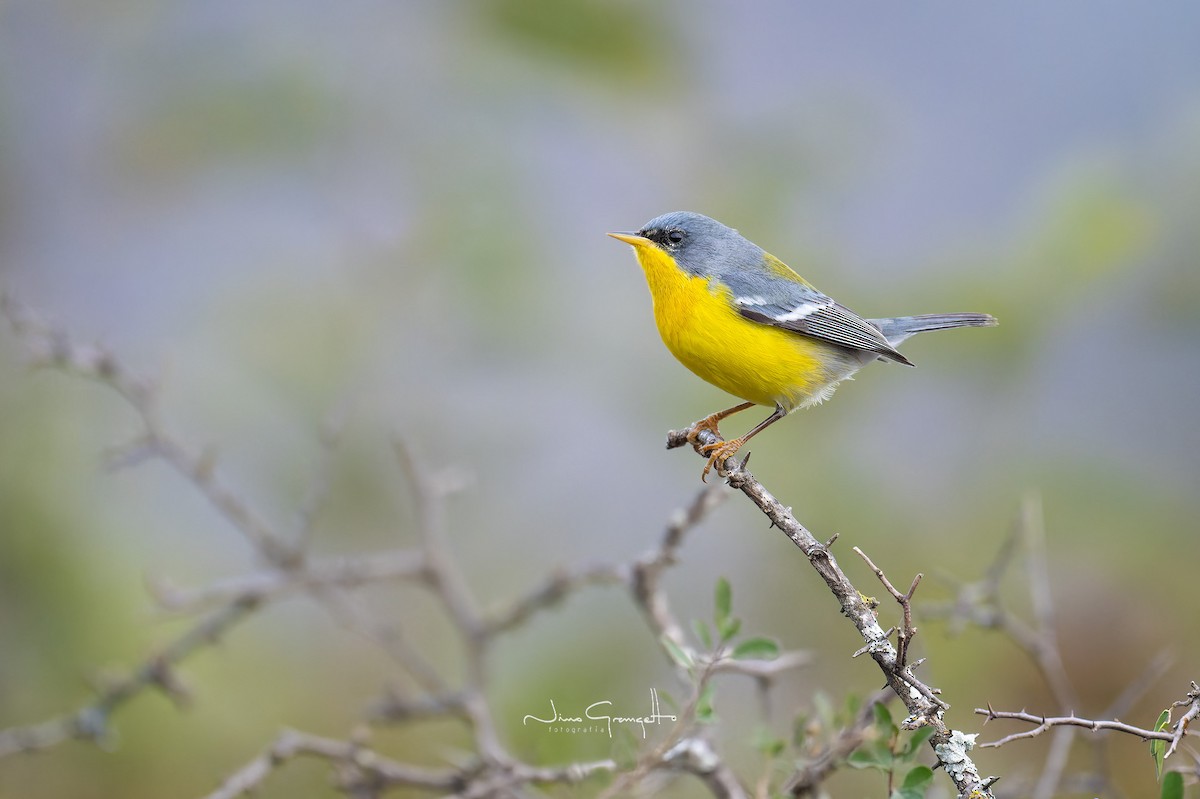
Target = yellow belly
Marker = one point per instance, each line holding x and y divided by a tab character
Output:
700	326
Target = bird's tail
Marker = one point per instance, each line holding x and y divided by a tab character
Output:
898	328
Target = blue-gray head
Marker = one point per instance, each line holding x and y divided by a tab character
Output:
700	245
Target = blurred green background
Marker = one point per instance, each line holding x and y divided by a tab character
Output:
395	212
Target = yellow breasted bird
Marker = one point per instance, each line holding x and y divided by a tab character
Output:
742	320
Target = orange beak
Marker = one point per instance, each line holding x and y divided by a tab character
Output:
632	239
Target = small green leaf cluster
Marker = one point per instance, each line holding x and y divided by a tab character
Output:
1158	749
727	626
886	751
719	637
719	640
1172	783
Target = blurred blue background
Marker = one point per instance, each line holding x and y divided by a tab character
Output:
394	213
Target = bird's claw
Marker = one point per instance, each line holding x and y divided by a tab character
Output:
704	425
709	425
720	452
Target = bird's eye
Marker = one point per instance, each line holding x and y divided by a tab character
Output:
674	236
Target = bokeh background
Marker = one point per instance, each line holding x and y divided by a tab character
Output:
393	214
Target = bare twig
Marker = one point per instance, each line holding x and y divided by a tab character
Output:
429	492
157	671
394	709
362	769
949	746
1046	723
432	566
339	572
363	763
764	669
1044	647
906	632
980	603
696	756
450	586
49	347
556	587
1174	734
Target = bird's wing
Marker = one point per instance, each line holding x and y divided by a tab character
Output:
798	307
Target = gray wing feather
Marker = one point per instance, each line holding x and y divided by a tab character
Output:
792	306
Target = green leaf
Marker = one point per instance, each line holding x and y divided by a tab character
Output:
882	752
729	628
864	758
705	712
915	784
916	741
681	658
756	649
883	719
723	602
801	729
1172	786
1158	749
700	627
768	743
918	777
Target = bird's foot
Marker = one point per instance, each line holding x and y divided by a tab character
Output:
716	447
718	452
708	423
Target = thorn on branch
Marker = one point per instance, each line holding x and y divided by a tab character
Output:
1043	723
907	631
162	674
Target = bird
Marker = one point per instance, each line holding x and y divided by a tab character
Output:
741	319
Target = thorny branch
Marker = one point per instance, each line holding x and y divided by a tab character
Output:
363	771
91	722
289	570
1173	735
906	632
950	746
497	773
335	572
48	347
980	603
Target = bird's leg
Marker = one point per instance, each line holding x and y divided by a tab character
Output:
711	422
718	452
